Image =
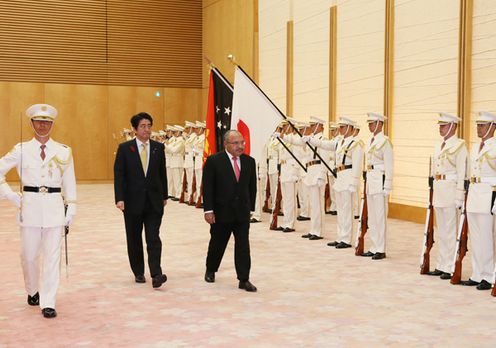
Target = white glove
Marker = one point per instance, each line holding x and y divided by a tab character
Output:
459	204
352	188
305	138
68	220
386	192
15	198
69	214
276	135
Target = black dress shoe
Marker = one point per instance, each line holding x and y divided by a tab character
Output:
379	256
333	212
49	312
247	286
445	276
484	285
357	217
306	235
435	273
302	218
209	277
140	279
368	254
253	220
287	229
34	300
469	282
332	244
158	280
343	245
315	237
279	228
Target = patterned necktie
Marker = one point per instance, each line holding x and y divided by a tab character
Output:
236	168
143	157
42	153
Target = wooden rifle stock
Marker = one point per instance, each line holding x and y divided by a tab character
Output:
193	188
462	242
429	231
364	217
183	191
327	197
277	205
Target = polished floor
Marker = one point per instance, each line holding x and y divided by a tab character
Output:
310	295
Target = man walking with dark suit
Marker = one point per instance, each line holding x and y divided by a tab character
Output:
229	194
140	186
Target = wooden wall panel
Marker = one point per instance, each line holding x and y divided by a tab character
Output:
183	104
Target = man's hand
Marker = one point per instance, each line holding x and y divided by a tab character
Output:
210	218
120	205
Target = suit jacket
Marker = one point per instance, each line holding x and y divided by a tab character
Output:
132	186
231	201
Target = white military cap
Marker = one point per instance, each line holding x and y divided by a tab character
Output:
155	134
346	121
373	116
41	112
161	132
485	117
126	130
357	126
200	124
169	127
190	124
445	118
332	125
178	128
314	119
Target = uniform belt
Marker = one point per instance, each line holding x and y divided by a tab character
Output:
491	180
343	167
314	162
445	177
41	189
375	166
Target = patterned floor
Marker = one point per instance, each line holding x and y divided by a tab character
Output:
310	295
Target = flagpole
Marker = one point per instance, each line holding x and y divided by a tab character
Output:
314	150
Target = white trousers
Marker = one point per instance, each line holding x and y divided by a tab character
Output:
377	220
44	242
303	198
189	181
288	191
177	179
345	215
257	214
446	237
356	202
316	195
273	189
198	175
170	182
480	228
333	193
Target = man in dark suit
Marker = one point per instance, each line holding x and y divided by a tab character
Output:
229	193
140	186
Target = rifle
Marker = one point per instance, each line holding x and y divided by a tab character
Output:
429	228
193	186
363	221
184	188
277	205
265	207
461	241
327	197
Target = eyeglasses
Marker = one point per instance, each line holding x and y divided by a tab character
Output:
236	142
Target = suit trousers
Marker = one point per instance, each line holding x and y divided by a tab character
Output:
377	220
446	234
151	221
345	215
219	237
481	227
45	241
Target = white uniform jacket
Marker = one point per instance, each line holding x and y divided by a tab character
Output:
56	170
379	164
289	166
349	155
176	150
189	145
198	149
483	178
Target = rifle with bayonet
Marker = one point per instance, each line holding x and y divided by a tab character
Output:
364	217
429	227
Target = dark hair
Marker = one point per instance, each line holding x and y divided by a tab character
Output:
135	120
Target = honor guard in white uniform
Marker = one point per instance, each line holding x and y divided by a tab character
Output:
349	158
189	144
127	134
356	197
480	203
176	151
315	180
288	177
198	152
273	149
46	171
169	138
449	172
379	156
335	138
303	153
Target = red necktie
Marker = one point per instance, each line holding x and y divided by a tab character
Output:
42	153
236	168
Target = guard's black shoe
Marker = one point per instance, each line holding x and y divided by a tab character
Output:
49	312
34	300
